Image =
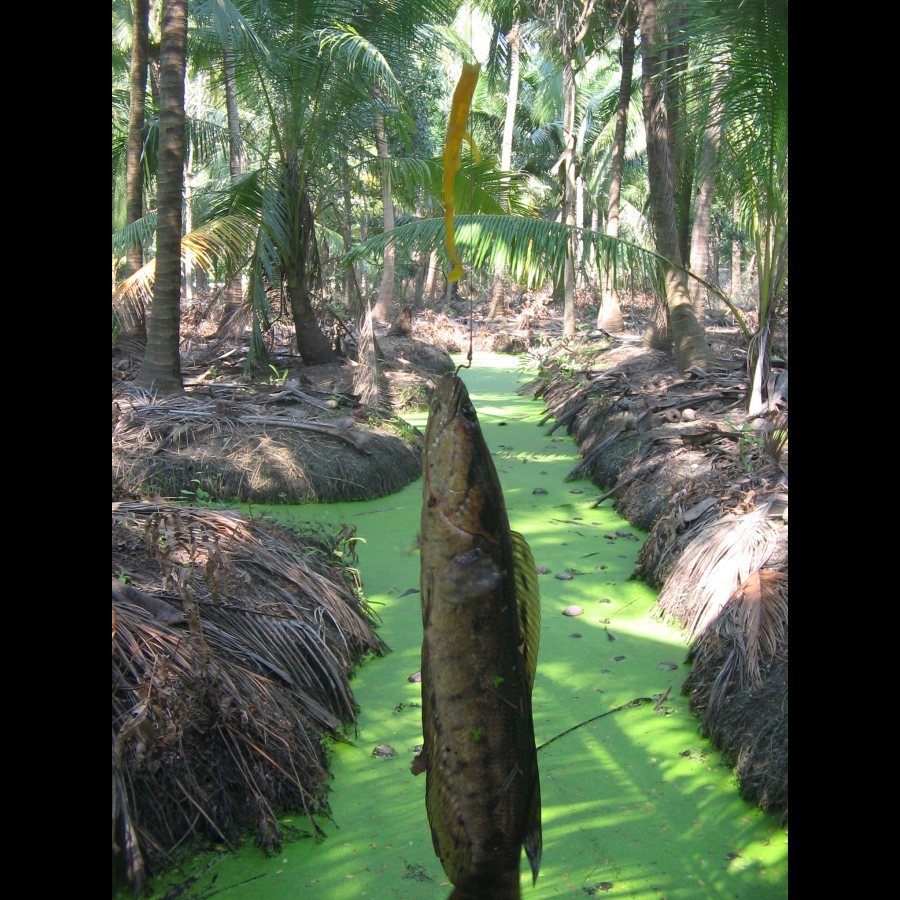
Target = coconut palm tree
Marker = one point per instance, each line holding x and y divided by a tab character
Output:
745	43
161	368
315	70
570	28
755	97
610	313
685	331
137	93
509	19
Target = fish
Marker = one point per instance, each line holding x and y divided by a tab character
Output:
481	631
456	134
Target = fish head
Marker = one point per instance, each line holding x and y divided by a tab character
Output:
461	488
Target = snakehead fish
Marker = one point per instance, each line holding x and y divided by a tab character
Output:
481	628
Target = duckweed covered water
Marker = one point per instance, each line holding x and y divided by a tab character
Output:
635	803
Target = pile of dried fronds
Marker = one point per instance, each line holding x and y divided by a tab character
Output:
232	644
739	686
712	491
267	444
499	336
443	331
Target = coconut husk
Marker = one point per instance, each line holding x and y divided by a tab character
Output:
232	645
275	444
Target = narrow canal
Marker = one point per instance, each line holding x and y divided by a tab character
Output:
635	803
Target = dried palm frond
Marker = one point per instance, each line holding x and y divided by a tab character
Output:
365	381
368	379
722	554
776	434
749	631
240	444
232	649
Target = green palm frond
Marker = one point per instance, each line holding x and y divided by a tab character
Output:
478	187
444	37
530	249
749	38
540	93
360	55
223	240
220	21
139	233
600	113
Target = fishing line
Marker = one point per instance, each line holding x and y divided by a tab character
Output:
467	365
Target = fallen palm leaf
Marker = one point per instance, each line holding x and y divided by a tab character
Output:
218	720
751	630
720	556
233	445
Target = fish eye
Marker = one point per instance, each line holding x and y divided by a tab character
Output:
468	411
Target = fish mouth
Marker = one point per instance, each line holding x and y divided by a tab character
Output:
449	400
456	397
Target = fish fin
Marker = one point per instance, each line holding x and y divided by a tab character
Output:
528	603
533	840
419	763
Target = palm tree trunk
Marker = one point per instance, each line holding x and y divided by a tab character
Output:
688	336
352	294
579	223
161	367
610	315
363	275
513	40
737	290
431	279
706	182
382	310
591	269
134	177
422	267
187	259
569	202
714	254
681	142
304	277
234	293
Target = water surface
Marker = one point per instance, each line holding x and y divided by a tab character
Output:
635	803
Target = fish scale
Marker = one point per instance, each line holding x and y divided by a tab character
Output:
481	628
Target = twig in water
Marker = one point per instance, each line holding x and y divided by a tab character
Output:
228	887
638	701
625	606
616	489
